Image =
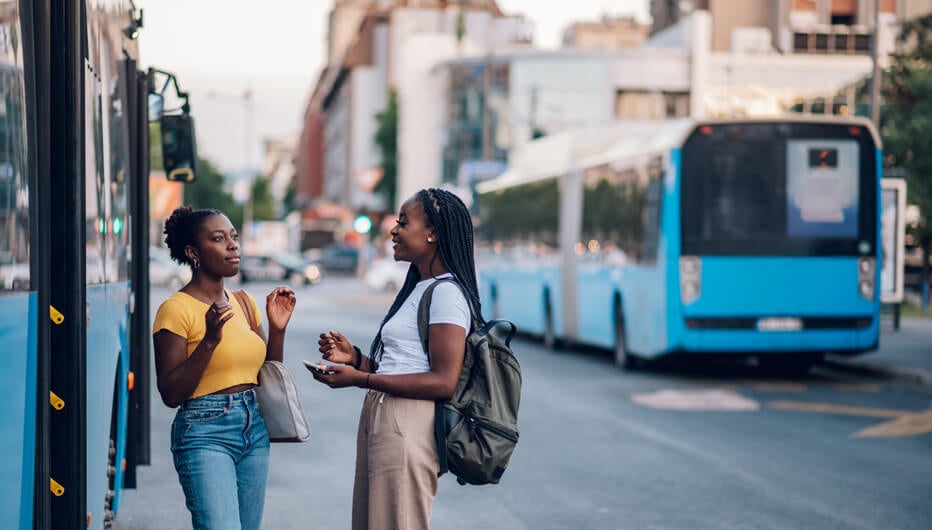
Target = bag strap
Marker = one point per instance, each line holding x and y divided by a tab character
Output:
423	312
243	298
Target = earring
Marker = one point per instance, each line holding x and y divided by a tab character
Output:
430	240
197	264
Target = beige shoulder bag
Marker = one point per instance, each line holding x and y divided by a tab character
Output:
278	397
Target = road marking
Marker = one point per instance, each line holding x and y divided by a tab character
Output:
902	423
716	399
906	425
776	386
856	387
836	409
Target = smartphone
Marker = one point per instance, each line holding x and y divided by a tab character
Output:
317	368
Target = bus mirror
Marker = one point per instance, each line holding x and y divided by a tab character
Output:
179	148
156	105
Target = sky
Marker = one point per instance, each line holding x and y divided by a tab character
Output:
275	49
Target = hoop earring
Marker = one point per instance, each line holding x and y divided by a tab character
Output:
197	264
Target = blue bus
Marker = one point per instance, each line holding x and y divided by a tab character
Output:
74	323
746	236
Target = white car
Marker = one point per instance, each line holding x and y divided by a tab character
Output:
386	274
164	271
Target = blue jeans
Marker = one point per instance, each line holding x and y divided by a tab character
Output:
221	453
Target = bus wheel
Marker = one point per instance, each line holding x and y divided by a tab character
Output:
623	357
549	338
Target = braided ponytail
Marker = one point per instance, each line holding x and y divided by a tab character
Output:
452	222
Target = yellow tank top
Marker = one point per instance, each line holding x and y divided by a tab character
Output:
238	356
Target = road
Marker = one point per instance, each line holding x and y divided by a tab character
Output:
684	446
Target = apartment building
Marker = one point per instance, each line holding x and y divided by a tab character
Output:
793	26
608	33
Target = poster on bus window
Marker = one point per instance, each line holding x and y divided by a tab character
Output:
892	233
822	188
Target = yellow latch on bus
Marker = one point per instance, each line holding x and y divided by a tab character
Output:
56	402
56	317
57	489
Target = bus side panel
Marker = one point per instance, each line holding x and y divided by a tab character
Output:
18	378
520	295
641	289
594	305
103	350
878	252
120	300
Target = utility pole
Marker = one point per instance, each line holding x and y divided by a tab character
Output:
486	109
875	72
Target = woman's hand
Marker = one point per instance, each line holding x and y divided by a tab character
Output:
341	376
214	319
336	349
279	305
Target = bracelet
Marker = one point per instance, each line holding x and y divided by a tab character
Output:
367	381
358	362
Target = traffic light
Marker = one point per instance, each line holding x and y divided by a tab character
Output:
362	224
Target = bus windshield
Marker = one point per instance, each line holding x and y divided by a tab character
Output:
797	189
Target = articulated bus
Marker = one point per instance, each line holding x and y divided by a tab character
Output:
756	237
74	320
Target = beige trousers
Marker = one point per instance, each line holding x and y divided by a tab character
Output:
396	464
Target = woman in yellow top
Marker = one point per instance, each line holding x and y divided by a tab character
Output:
207	360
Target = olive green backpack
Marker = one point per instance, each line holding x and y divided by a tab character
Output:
477	428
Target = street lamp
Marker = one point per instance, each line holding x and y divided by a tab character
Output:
246	100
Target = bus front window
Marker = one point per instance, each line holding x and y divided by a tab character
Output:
765	189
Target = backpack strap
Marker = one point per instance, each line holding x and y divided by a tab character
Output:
423	312
243	298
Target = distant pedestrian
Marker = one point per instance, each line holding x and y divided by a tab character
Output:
207	359
396	453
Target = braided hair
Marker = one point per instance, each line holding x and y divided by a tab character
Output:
451	221
181	230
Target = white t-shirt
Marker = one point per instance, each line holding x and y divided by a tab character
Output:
402	352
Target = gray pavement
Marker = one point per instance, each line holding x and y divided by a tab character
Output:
905	354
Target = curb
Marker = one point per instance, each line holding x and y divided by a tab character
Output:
914	375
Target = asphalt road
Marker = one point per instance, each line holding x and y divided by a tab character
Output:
688	445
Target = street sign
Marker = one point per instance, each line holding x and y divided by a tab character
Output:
892	239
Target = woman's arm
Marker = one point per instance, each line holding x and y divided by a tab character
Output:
177	374
447	349
279	305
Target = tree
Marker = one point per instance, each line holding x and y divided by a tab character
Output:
907	122
263	207
207	192
386	138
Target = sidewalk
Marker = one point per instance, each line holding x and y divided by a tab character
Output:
905	354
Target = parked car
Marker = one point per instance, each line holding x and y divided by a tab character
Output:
339	258
386	274
164	271
296	270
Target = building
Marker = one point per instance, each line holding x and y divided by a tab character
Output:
606	34
793	26
393	47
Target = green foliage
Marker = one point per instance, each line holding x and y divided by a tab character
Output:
155	146
288	201
263	206
207	192
907	120
614	212
386	138
524	212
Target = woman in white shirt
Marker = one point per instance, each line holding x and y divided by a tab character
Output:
396	454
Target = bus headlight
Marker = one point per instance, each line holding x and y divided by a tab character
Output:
690	279
866	278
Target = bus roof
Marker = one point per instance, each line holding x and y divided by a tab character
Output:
558	154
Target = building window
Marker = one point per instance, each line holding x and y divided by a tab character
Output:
645	105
